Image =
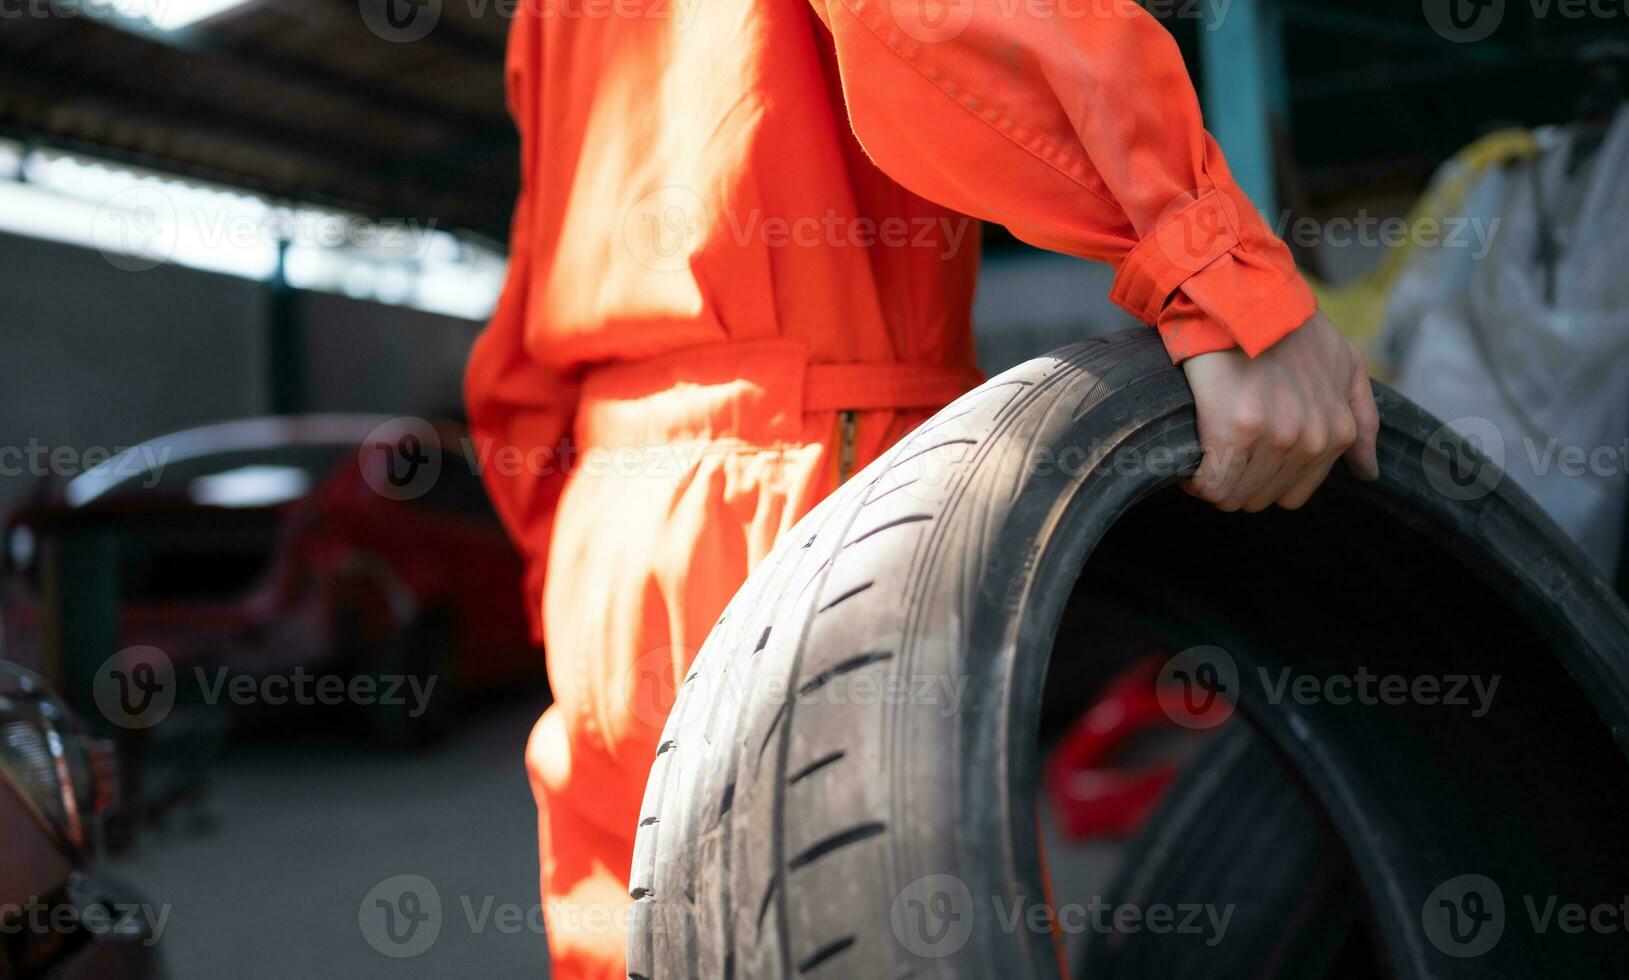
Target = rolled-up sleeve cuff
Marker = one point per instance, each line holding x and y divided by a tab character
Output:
1187	332
1212	278
1253	300
1189	237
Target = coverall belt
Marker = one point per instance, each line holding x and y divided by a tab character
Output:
758	391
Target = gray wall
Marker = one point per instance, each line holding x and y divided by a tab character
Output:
1031	303
92	356
364	357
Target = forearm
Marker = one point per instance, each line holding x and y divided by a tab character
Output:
1077	127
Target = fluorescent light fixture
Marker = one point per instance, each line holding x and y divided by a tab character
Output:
176	14
11	160
139	219
166	15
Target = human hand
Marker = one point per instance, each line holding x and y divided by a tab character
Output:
1272	427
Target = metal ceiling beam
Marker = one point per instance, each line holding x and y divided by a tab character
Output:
280	69
190	111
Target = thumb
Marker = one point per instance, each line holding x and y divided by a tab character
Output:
1363	458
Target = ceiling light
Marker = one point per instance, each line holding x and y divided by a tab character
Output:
166	15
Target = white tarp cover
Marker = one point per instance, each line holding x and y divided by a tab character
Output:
1528	356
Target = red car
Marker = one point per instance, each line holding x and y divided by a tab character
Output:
58	919
331	546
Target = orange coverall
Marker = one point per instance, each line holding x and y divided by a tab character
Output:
740	268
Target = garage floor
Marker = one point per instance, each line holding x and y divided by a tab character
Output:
306	828
301	831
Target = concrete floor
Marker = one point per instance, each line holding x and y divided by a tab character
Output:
305	830
307	834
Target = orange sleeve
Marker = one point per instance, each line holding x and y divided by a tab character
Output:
520	412
1073	123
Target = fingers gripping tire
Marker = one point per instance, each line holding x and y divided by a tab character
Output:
845	785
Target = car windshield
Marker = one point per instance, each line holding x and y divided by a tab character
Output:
256	477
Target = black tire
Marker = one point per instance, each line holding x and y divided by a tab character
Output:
1236	829
795	826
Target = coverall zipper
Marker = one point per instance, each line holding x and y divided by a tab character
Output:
848	425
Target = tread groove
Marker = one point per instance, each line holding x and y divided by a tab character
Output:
774	723
898	486
912	519
815	766
813	579
846	667
941	420
851	593
825	953
938	445
836	842
769	896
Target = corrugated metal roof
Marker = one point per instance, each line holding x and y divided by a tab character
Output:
293	98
